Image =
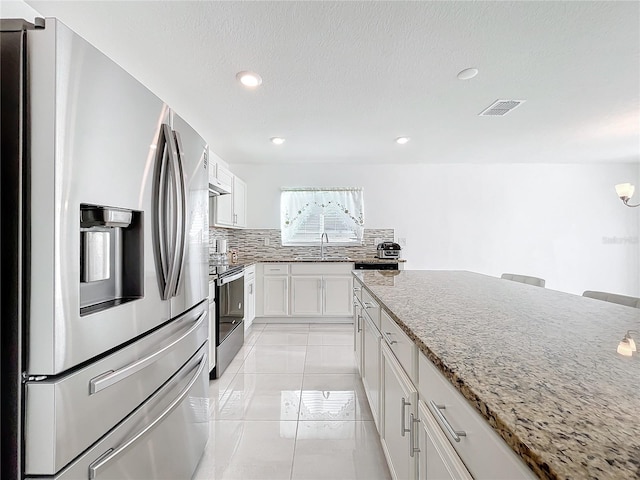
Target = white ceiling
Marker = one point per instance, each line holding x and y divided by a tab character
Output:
343	79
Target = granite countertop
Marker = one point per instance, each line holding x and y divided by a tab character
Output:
540	365
249	261
328	259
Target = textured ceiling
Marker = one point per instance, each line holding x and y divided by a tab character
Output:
341	80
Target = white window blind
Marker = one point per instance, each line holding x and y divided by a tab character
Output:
307	213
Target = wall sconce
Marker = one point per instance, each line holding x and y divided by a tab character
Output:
625	192
627	345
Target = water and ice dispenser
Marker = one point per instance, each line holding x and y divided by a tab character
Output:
111	257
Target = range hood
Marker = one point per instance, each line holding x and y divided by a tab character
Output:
218	188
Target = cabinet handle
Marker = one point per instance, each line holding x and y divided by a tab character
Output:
368	305
359	318
250	288
403	430
412	441
387	339
356	289
436	410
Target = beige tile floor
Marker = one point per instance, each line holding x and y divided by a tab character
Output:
291	406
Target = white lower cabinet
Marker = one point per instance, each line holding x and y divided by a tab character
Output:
321	295
484	453
437	460
400	400
306	296
336	299
314	290
249	296
358	332
370	371
435	434
276	295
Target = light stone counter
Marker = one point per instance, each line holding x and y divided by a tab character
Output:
540	365
329	259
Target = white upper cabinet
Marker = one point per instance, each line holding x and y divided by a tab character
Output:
230	210
239	203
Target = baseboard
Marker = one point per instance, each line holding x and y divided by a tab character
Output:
325	320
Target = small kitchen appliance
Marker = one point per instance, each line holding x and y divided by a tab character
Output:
388	250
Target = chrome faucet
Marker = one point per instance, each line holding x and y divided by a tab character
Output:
323	237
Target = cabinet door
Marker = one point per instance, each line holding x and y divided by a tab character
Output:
338	292
358	333
306	296
399	403
223	210
437	460
225	177
371	366
249	302
211	168
224	203
276	296
239	202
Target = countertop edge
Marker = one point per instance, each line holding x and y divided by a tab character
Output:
250	261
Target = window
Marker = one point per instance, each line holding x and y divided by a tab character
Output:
307	213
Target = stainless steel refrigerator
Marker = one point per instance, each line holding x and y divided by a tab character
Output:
104	256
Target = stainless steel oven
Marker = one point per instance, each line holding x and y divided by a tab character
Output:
229	322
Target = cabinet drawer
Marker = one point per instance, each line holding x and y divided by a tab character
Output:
276	268
321	268
357	289
371	307
482	450
249	273
401	345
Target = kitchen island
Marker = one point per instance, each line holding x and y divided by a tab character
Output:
539	365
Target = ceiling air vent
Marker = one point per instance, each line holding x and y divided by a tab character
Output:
500	108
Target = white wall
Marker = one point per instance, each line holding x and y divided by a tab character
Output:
551	221
17	9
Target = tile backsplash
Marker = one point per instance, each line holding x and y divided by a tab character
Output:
250	244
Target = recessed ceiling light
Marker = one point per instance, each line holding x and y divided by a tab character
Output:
402	140
249	79
467	73
277	140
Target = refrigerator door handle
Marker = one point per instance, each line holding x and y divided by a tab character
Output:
114	376
94	468
175	212
162	211
181	212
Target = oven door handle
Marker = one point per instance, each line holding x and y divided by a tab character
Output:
229	278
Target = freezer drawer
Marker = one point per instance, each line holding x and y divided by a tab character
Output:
162	439
66	415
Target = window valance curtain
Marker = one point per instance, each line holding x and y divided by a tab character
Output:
308	212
